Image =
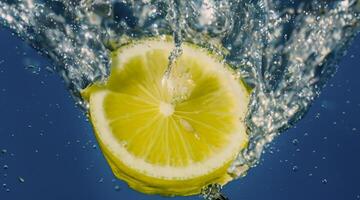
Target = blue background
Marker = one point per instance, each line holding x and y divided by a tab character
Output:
48	151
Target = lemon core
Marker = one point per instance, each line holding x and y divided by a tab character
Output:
166	109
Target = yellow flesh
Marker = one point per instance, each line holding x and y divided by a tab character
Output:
169	136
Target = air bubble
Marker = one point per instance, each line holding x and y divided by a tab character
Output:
21	180
295	168
117	188
324	181
213	192
33	68
295	142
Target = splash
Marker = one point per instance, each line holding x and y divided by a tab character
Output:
285	51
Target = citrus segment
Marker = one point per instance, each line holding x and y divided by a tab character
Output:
169	135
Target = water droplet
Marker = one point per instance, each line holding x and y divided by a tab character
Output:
310	174
3	151
101	180
6	167
7	190
21	180
4	185
94	146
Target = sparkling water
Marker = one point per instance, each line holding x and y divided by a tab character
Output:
284	51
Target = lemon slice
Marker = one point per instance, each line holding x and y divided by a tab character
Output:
169	135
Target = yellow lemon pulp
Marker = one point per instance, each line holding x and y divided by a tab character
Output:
169	135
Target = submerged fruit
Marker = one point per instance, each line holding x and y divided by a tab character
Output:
169	135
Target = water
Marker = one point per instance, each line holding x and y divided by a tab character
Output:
286	52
